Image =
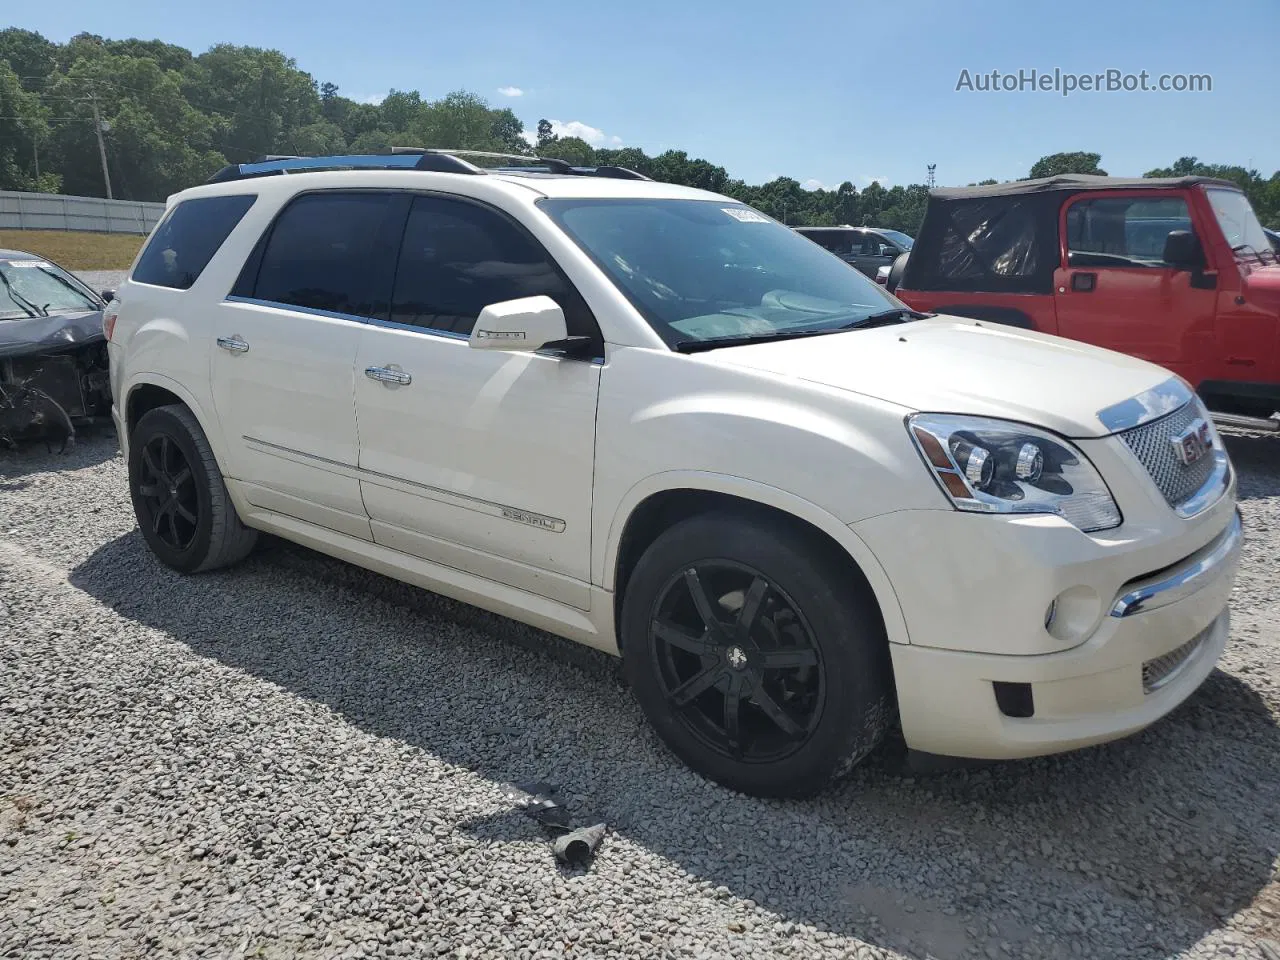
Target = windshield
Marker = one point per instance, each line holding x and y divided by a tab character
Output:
1238	222
901	239
36	288
706	270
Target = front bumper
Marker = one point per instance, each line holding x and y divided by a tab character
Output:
1151	641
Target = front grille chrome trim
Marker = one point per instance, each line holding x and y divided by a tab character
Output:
1159	401
1172	586
1154	445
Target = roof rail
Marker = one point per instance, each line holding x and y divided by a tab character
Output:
415	158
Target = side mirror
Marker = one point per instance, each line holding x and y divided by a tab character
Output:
523	325
887	251
107	295
1182	250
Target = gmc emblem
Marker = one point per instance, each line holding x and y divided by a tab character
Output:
1194	442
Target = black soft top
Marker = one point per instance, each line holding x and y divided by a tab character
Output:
1074	183
1003	238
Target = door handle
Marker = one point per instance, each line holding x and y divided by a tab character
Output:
234	344
388	375
1083	282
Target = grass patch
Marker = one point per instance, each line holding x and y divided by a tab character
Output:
76	251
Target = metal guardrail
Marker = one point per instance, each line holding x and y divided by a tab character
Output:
51	211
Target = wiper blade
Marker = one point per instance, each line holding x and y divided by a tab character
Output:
1242	247
886	317
31	309
742	340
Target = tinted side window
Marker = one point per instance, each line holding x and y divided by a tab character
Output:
1123	231
187	239
320	253
457	258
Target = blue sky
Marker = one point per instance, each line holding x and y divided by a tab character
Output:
820	90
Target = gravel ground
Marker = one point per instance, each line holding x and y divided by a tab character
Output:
103	279
299	758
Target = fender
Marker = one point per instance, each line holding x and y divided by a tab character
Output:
891	610
207	419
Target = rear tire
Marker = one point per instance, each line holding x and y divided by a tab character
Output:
778	706
179	497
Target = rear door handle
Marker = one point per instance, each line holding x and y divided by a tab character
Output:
234	344
388	375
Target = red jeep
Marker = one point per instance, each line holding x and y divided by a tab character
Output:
1177	271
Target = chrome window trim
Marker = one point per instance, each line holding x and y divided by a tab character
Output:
294	308
1169	588
368	321
1160	400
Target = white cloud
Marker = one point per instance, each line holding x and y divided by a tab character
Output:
867	179
374	98
511	91
576	128
813	184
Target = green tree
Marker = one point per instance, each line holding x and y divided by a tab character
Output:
545	135
1057	164
28	55
573	150
22	133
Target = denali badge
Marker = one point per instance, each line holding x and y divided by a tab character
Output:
1193	442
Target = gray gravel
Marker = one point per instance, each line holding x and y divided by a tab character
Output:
298	758
103	279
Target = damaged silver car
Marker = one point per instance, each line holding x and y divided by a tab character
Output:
53	356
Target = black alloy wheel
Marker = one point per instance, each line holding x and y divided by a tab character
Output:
169	504
756	650
736	658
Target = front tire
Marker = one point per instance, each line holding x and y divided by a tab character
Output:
179	498
758	657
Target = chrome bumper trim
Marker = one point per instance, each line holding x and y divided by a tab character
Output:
1171	587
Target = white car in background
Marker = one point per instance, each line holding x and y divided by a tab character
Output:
656	421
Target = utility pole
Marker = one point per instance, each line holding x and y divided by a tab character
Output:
932	168
102	147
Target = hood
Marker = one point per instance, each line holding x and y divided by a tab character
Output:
954	365
1262	286
28	335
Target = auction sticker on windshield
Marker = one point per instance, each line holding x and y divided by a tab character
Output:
744	215
25	263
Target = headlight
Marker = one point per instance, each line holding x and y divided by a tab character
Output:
993	466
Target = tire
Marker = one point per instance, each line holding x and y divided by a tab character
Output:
895	272
191	525
841	694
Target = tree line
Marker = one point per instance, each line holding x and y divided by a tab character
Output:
170	118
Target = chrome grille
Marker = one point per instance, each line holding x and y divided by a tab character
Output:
1152	444
1158	672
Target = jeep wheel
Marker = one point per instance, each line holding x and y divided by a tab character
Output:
755	658
182	505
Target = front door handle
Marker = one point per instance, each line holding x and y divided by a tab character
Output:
234	344
388	375
1083	282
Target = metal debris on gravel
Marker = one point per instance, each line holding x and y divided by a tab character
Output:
297	758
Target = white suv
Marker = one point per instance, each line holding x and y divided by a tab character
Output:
656	421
